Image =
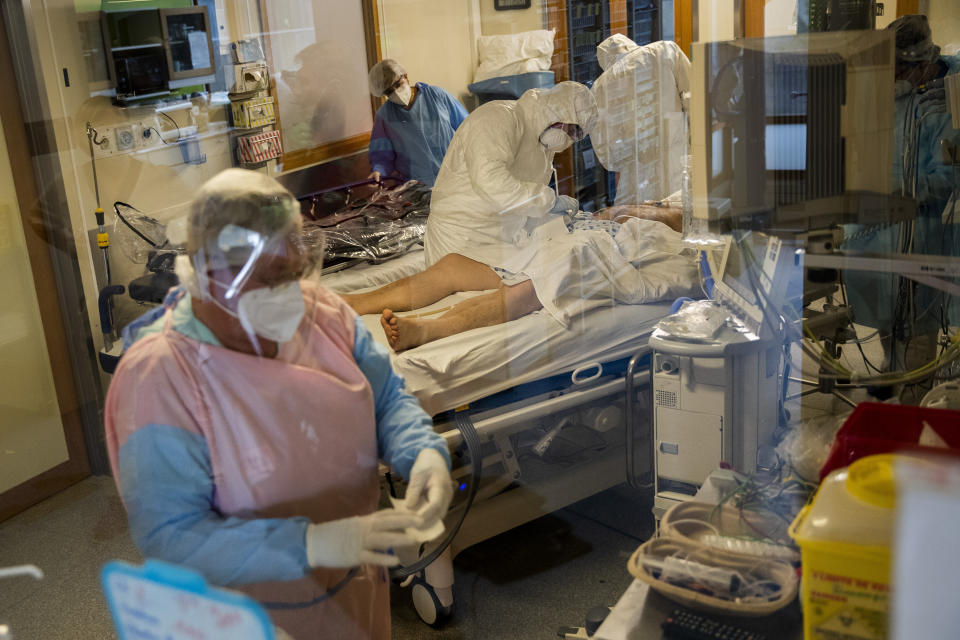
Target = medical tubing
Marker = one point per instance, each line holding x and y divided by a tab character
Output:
472	439
325	596
886	379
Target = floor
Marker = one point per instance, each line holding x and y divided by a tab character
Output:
522	584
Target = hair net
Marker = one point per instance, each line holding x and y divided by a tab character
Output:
569	103
237	199
913	39
613	48
245	222
383	75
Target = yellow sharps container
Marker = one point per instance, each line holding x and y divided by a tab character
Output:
845	537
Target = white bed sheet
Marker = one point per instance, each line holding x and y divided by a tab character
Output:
368	276
449	373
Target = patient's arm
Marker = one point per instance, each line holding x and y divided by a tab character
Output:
670	216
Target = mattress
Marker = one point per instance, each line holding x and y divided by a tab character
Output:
449	373
461	369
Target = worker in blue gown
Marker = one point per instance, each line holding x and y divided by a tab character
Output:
413	128
908	315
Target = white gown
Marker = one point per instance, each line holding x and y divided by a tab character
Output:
491	202
642	128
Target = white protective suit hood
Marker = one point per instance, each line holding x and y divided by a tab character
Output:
614	48
567	102
492	187
642	131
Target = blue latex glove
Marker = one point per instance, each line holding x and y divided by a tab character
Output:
565	205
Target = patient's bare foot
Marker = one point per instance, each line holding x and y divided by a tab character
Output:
389	323
403	333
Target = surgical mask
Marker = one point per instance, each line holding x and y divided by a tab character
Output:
273	313
555	139
401	95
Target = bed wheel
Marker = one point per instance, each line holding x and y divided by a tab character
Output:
428	601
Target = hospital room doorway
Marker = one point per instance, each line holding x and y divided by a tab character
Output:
41	434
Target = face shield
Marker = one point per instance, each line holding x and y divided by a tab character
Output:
247	256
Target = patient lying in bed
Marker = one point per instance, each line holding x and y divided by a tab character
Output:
495	225
638	260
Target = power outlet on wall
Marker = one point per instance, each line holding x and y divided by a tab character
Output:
118	140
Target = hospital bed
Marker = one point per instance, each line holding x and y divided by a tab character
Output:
553	408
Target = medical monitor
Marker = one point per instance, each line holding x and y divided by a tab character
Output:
760	281
793	132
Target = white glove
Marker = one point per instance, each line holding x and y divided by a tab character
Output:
361	539
565	204
430	489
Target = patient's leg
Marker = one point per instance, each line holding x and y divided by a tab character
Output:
449	274
502	305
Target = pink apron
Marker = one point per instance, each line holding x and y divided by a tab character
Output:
295	436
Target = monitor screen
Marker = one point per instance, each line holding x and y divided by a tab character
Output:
189	43
140	72
746	255
778	125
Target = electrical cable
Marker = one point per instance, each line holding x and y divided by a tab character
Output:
165	115
329	593
472	441
951	354
160	135
866	361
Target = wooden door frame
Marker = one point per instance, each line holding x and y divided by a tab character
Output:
28	199
752	16
907	7
683	24
338	148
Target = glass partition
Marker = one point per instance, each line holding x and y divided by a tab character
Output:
386	314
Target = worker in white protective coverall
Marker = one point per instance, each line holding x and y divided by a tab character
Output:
496	224
641	134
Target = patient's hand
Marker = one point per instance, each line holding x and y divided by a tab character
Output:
670	216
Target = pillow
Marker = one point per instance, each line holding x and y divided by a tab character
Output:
514	53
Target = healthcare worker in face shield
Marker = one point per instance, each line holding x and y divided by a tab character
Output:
909	315
641	133
246	420
412	130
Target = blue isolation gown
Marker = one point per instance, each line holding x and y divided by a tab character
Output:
413	142
921	121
